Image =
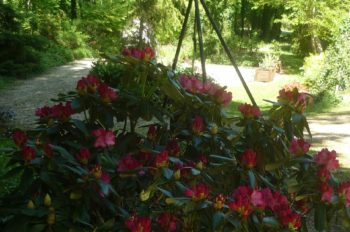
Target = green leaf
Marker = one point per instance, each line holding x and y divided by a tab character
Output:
273	166
165	192
107	226
320	217
195	172
217	219
252	179
81	126
271	221
167	173
223	158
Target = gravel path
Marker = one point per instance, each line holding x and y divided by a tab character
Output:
329	130
27	95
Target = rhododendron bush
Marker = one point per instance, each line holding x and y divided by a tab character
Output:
143	149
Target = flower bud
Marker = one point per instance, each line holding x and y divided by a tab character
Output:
214	130
30	205
51	218
47	200
170	201
177	174
144	195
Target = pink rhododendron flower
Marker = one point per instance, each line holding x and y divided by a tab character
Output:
148	54
104	138
19	138
303	206
249	111
324	174
241	206
294	98
87	84
152	132
198	192
167	222
138	224
327	159
248	158
84	156
344	192
162	159
43	112
28	154
105	177
128	163
107	93
96	171
257	199
62	112
194	85
299	147
326	192
197	125
219	201
291	220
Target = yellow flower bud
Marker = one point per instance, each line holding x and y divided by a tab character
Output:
75	195
144	195
214	130
30	205
170	201
47	200
177	174
51	218
199	165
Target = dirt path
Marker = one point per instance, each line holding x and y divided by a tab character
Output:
329	130
27	95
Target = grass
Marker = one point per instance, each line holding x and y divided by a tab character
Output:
6	185
261	91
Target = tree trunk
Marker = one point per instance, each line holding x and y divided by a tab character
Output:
73	9
141	29
243	12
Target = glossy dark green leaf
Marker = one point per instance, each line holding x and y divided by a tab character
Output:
81	126
217	219
271	221
165	192
252	179
320	217
167	173
195	172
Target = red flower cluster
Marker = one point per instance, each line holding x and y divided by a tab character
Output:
294	98
198	192
197	125
107	93
193	85
19	138
104	138
128	163
219	201
326	162
60	112
91	84
167	222
249	111
327	159
152	132
88	84
84	156
28	154
162	159
96	171
246	198
173	148
344	192
146	54
248	158
138	224
299	147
